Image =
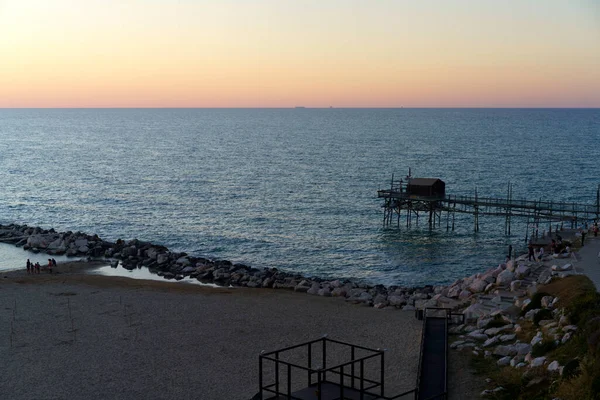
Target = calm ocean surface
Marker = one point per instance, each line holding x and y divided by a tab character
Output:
291	188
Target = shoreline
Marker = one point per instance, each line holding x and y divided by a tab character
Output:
172	338
171	266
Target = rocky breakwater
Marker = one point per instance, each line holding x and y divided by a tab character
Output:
469	292
512	323
177	265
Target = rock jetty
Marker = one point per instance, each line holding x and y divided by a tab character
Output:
477	295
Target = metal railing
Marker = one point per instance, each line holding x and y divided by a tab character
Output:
353	370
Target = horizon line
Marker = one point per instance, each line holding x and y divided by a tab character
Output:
301	108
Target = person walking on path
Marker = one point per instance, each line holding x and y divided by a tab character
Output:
595	229
582	236
531	255
28	266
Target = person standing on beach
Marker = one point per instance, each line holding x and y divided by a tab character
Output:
28	266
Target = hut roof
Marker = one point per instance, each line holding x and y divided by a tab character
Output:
423	181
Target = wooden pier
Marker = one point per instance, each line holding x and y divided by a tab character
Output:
410	198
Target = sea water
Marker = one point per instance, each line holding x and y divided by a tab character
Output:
294	189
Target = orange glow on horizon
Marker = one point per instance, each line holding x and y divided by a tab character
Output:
269	54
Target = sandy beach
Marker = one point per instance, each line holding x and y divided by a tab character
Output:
78	336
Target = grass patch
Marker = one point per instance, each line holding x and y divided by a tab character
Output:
528	331
580	356
570	290
579	386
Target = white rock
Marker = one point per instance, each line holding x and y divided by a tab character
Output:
569	328
491	341
515	285
531	313
477	286
547	323
516	359
457	343
522	271
510	265
483	321
538	362
537	339
495	331
523	348
183	261
478	336
503	350
564	274
508	338
525	303
566	338
547	301
504	361
554	366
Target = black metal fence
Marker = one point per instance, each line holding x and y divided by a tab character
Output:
339	368
349	374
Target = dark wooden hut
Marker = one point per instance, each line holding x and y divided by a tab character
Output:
426	187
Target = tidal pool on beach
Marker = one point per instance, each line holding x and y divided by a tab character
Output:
144	273
13	258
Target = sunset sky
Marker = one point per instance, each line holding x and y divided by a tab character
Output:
314	53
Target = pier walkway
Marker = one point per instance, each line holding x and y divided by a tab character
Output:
424	195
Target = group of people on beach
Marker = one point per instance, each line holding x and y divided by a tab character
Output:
35	268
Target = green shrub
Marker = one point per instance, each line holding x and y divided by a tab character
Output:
543	314
584	307
571	369
536	302
542	348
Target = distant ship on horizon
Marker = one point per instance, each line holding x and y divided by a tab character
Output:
299	107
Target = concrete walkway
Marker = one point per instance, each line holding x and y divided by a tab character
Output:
588	259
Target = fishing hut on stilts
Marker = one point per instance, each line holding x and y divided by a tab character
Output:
409	199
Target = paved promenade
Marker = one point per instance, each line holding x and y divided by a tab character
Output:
589	260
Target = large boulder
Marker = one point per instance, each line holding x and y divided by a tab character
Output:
522	271
39	241
510	265
505	277
478	286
